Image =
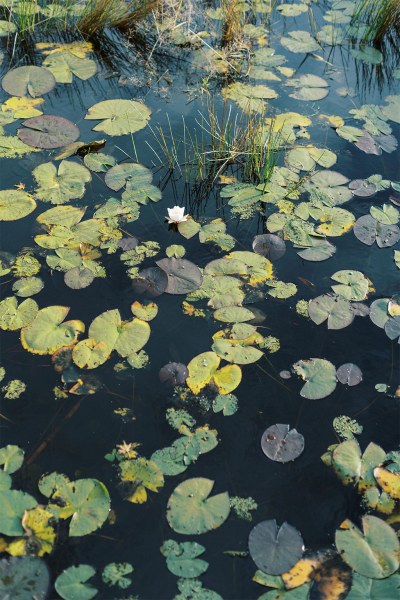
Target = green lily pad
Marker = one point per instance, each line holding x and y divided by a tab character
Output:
337	311
14	316
72	584
236	353
11	146
48	131
78	278
13	505
300	41
15	204
30	80
115	574
28	286
364	588
119	117
227	403
373	551
250	98
99	162
233	314
182	558
368	55
89	354
61	184
309	87
64	65
191	510
387	214
124	337
355	468
11	458
319	375
48	332
87	501
353	285
23	578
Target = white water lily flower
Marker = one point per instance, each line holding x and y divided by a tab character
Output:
176	214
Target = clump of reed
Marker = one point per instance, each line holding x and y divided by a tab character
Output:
101	14
232	26
222	140
381	18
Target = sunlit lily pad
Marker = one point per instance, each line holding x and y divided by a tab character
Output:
15	204
60	184
119	117
308	88
191	510
28	286
89	354
14	316
319	375
275	549
372	551
353	285
250	98
138	476
31	80
48	131
124	337
64	65
48	331
300	41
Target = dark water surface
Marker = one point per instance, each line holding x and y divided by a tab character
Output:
305	493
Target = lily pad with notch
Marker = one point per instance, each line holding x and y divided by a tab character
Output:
275	549
28	80
48	131
183	275
349	374
282	444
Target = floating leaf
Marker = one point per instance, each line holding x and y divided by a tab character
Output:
23	578
388	481
353	285
15	204
11	458
27	286
282	444
309	87
64	65
349	374
152	282
59	185
13	505
182	558
48	131
99	162
227	403
138	476
319	251
89	354
300	41
368	55
47	332
319	375
39	536
275	549
183	275
14	316
72	584
269	245
124	337
87	501
368	230
337	311
233	314
31	80
119	117
173	373
364	588
250	98
191	510
115	574
372	551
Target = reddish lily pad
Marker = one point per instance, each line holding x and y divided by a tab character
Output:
48	131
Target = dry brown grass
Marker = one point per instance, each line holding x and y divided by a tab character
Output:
101	14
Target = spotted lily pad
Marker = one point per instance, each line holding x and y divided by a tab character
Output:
282	444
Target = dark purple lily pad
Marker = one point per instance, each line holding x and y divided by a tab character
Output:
282	444
349	374
362	188
151	282
183	275
367	144
368	230
173	373
48	131
275	549
269	245
128	243
387	143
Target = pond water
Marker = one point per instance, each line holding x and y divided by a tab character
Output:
70	420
